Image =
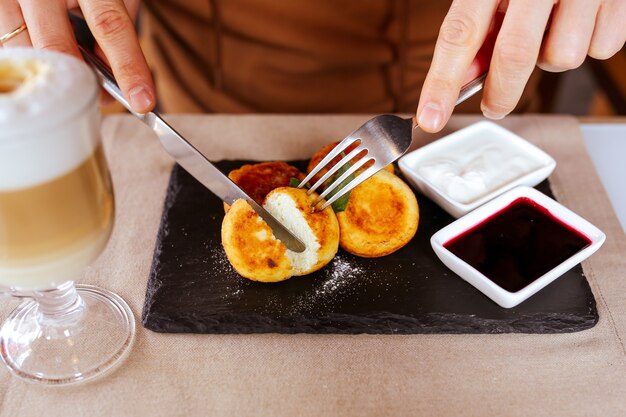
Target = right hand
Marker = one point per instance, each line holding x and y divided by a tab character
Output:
110	21
554	35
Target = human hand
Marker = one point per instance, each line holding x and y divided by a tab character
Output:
554	35
110	21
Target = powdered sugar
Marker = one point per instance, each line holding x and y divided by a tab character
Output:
340	273
341	276
339	279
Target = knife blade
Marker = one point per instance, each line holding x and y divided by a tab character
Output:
192	160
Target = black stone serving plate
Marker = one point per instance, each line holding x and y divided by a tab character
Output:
192	287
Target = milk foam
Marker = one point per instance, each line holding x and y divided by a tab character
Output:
49	123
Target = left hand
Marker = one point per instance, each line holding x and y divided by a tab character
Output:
110	21
554	35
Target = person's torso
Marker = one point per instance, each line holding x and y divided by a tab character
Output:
294	56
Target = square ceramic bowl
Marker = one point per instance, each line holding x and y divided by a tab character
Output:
473	165
539	236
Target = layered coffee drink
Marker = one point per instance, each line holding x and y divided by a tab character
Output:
56	201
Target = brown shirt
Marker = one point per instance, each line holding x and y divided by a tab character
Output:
291	56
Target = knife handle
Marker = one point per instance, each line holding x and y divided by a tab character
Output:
86	43
160	126
107	80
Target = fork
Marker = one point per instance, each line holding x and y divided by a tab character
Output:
384	139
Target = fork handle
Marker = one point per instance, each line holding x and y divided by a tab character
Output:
467	91
471	88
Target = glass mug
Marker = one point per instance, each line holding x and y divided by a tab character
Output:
56	216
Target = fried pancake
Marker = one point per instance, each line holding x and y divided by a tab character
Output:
257	180
319	230
251	247
381	216
254	252
319	155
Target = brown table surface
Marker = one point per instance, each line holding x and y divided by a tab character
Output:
577	374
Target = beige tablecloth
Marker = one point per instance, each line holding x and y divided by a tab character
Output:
579	374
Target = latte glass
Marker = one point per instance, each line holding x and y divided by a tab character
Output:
56	216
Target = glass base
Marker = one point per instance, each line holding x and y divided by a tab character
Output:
80	349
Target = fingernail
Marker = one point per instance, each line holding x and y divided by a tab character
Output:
140	99
431	117
491	115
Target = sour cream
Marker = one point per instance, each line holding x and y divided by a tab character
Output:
472	169
471	166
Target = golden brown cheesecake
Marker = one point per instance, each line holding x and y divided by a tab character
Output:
257	255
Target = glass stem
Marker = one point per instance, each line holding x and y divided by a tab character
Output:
60	306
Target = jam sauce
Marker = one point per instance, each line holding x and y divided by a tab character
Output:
518	244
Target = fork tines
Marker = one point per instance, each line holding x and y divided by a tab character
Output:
334	187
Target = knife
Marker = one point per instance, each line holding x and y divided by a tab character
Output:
187	156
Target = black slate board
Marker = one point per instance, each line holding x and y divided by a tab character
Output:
193	288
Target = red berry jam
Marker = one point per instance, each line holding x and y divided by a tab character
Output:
518	244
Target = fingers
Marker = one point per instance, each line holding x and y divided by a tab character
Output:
462	33
10	19
49	26
609	34
480	64
567	42
514	56
132	7
115	33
